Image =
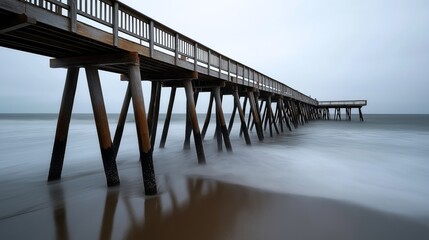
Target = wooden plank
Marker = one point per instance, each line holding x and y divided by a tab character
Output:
13	6
168	117
145	148
101	122
193	115
15	23
97	60
57	159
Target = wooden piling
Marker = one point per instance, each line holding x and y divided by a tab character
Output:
155	113
244	111
208	116
279	110
193	116
188	128
360	115
231	120
121	121
255	114
287	118
222	123
270	115
242	117
218	134
168	118
101	122
58	152
145	148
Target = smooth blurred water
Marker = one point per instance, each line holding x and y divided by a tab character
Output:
381	163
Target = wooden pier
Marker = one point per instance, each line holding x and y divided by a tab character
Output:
108	35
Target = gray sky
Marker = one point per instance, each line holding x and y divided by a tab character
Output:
332	50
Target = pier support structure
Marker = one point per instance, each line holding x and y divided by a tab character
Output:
108	148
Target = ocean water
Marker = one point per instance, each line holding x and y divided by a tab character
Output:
380	164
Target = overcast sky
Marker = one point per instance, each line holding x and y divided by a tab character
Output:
332	50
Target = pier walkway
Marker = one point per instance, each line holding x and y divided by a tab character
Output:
108	35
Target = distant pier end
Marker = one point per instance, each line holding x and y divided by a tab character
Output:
324	107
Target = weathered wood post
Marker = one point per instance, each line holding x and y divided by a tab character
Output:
188	127
168	117
360	114
155	113
145	148
242	117
222	124
101	122
193	116
121	121
255	114
208	116
57	159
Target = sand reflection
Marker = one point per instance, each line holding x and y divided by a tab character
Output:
195	208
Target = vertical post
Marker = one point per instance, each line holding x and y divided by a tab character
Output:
72	14
115	22
57	159
176	49
101	122
168	117
220	66
145	148
151	38
242	117
195	56
360	114
193	116
222	123
121	121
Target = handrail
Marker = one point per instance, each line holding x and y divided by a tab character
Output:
345	102
124	21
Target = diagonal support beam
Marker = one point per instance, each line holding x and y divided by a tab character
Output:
105	141
63	124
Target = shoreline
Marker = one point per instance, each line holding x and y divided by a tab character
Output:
199	208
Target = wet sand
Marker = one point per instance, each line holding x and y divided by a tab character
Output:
188	208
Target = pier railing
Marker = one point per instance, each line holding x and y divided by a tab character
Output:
350	103
124	22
